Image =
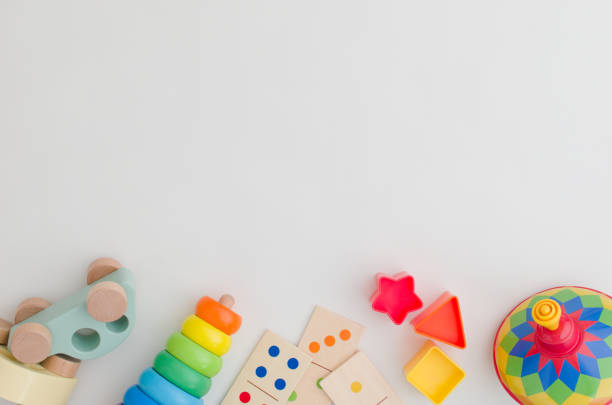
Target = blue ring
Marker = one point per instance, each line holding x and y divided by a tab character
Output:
135	396
163	391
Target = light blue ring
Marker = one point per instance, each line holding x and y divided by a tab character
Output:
135	396
163	391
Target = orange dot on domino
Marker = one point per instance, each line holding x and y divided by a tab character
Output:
314	347
345	334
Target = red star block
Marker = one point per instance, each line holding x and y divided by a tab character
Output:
395	296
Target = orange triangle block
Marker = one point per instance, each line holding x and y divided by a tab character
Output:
442	321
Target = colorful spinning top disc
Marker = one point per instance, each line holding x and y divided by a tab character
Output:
556	348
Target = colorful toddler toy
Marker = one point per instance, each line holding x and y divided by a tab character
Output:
395	296
181	373
556	348
430	371
433	373
48	341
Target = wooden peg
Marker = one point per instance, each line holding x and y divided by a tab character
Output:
30	307
100	268
62	365
30	343
5	328
107	301
227	301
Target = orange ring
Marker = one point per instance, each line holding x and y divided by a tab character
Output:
218	315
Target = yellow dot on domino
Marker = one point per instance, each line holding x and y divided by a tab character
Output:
356	387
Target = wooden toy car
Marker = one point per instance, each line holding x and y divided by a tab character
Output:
47	342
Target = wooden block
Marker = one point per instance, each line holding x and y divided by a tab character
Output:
101	268
270	374
330	339
5	327
30	307
106	301
309	391
62	365
31	384
358	382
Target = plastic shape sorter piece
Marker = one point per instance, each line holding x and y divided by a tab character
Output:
358	382
395	296
433	373
270	374
75	332
31	384
442	321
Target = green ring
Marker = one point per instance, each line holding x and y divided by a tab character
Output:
194	355
181	375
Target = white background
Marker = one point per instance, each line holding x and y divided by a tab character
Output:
286	152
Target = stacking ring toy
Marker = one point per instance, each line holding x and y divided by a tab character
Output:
181	374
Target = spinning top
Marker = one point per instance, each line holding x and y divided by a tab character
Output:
555	347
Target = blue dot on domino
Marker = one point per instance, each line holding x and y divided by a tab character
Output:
280	384
293	363
274	351
261	371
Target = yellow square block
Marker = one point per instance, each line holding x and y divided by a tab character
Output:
433	373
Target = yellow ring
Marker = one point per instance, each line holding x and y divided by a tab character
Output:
206	335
